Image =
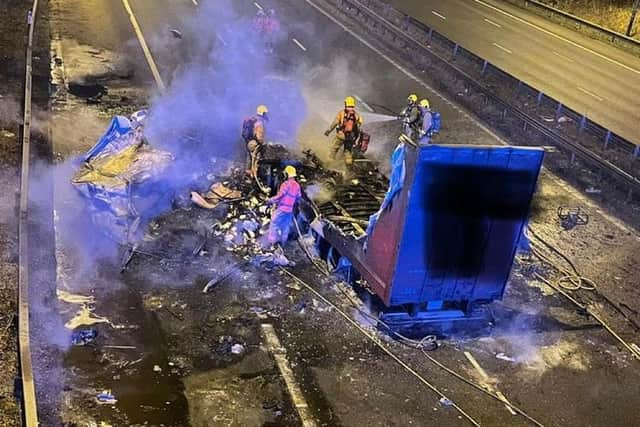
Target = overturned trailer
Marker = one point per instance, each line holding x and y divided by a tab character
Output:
436	244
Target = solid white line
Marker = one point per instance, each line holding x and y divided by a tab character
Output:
144	46
599	98
364	104
495	24
257	5
299	44
562	56
439	15
297	398
606	58
502	48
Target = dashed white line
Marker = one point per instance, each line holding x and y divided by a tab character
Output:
599	98
495	24
562	56
364	104
195	2
439	15
502	48
300	45
256	4
552	34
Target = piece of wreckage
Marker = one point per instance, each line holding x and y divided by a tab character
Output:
434	241
122	179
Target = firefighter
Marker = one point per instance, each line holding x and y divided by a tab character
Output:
288	195
410	116
347	124
253	130
425	122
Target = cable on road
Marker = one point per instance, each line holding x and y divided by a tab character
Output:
418	344
379	344
570	280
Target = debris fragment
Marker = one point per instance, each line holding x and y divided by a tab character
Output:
157	368
7	134
176	33
83	336
593	190
106	398
503	356
237	349
445	401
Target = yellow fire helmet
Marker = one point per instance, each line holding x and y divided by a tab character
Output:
425	103
290	171
262	110
412	98
350	101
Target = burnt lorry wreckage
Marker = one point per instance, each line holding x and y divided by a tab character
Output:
434	241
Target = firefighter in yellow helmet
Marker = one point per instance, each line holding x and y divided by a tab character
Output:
348	125
410	116
285	201
253	134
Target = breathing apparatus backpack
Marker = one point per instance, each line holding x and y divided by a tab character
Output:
248	128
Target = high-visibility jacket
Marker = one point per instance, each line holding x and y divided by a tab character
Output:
338	123
288	194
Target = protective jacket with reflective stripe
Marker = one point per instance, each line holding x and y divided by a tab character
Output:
287	196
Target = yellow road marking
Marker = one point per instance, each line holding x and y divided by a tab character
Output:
144	46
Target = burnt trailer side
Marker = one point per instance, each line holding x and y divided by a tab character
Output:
445	242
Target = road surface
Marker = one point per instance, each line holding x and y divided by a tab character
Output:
590	77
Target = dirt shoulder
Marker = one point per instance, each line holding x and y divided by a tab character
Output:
614	15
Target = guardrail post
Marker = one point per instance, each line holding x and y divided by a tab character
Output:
455	50
484	67
558	111
518	87
607	137
405	22
583	123
539	100
636	151
430	35
504	114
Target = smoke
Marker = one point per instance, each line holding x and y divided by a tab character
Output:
222	75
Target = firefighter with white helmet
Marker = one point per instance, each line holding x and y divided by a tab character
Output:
253	134
348	125
285	201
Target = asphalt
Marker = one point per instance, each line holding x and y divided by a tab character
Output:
345	380
588	76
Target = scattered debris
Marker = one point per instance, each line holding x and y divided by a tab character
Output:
503	356
593	190
176	33
564	119
83	336
217	193
237	349
572	217
106	398
445	401
6	134
157	368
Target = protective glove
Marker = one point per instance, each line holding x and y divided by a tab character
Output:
327	132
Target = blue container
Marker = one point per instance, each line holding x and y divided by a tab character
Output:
449	236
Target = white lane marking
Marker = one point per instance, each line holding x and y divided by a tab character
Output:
279	354
552	176
488	381
221	39
439	15
495	24
195	2
364	104
256	4
588	92
144	46
502	48
562	56
552	34
300	45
